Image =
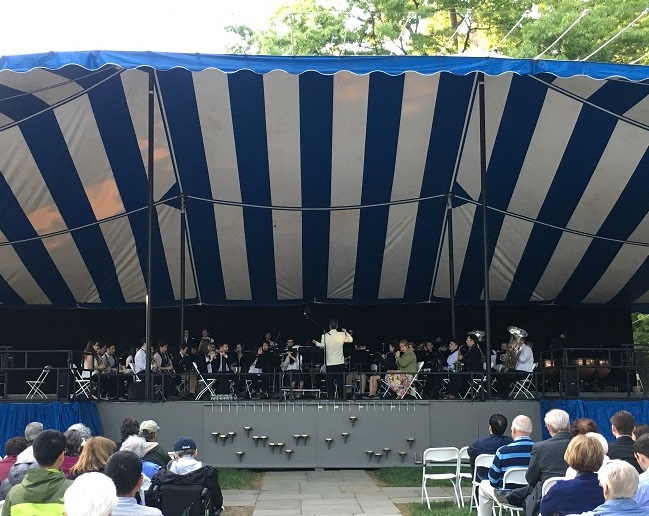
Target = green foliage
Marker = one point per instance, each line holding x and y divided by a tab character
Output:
640	324
518	28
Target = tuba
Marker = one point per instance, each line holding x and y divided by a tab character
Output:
514	348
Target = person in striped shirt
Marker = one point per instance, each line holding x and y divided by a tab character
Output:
515	454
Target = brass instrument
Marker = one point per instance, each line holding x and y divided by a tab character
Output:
478	333
514	348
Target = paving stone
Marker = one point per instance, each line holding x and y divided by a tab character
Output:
278	504
360	489
284	487
276	512
307	488
237	492
269	495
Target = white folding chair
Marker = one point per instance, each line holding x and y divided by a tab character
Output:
442	457
207	382
549	483
524	387
83	384
464	471
35	385
485	460
512	477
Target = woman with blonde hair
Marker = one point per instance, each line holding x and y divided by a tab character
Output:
93	457
584	454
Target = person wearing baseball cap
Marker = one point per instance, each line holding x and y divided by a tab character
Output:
153	452
186	470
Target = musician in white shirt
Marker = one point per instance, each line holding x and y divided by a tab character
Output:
452	358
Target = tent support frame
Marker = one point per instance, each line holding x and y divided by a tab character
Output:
148	383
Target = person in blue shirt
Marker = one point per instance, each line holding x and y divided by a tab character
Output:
619	481
124	468
585	455
515	454
489	445
641	451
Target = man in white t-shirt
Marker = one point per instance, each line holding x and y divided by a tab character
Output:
333	342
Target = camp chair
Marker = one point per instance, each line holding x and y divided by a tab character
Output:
484	460
82	384
512	477
524	386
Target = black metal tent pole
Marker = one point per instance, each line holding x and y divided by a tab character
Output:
148	384
183	229
485	261
451	263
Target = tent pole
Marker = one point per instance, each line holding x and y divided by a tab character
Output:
451	262
148	383
183	229
485	244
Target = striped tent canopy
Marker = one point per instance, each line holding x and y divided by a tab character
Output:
321	179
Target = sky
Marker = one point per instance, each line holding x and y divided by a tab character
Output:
32	26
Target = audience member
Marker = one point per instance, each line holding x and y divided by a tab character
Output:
92	494
85	432
73	443
546	461
514	454
186	470
572	473
582	426
13	447
137	445
128	427
153	451
641	451
639	430
124	468
622	425
42	486
489	445
583	493
31	431
619	481
93	457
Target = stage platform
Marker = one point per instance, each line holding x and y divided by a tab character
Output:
317	434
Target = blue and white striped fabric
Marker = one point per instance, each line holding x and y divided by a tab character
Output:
302	184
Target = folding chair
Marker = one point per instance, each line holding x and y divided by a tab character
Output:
35	385
207	382
524	386
410	389
512	477
464	471
82	384
484	460
440	458
549	483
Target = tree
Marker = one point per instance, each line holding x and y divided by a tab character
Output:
518	28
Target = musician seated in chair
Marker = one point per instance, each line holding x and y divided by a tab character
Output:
524	365
470	356
185	470
400	380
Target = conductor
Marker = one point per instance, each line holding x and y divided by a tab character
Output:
333	342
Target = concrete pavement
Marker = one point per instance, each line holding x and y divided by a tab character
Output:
320	493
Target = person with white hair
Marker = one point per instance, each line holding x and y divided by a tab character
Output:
619	480
31	431
546	461
85	432
137	445
92	494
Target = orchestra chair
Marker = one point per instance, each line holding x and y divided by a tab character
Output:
484	460
209	382
410	388
82	384
35	385
436	458
524	386
512	478
549	483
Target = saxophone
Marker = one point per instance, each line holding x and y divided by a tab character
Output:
514	348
